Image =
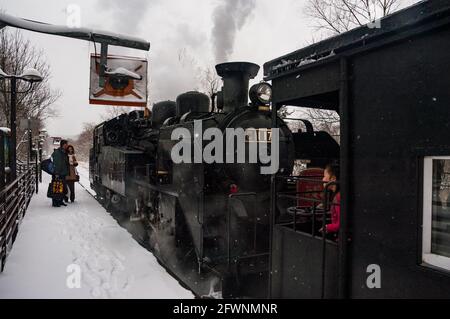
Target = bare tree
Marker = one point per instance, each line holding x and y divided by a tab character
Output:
285	112
209	81
337	16
206	80
84	141
115	111
17	54
324	120
333	17
186	58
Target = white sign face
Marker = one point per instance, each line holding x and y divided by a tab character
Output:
125	82
32	124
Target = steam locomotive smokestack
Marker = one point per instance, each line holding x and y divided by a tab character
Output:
236	77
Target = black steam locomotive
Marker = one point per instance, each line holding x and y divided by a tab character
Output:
225	227
208	223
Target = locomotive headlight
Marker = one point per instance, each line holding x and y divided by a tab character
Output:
261	94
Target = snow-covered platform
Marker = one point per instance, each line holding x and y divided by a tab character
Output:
54	245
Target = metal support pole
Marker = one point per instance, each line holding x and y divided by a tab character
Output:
30	143
12	151
40	161
2	162
37	172
273	203
103	63
326	207
345	177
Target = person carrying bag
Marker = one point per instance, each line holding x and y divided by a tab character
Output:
60	171
73	174
47	166
55	189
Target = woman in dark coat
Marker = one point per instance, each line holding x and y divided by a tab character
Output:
72	177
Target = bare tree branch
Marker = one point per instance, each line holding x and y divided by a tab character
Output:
331	17
337	16
114	111
209	81
84	141
17	54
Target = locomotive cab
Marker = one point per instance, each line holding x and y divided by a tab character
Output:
394	194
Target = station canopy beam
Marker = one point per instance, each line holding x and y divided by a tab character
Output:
101	37
106	38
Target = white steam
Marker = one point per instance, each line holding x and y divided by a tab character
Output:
229	17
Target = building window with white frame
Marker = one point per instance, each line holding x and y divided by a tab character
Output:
436	212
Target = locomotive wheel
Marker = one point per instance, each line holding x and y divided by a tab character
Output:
103	196
100	193
115	199
108	201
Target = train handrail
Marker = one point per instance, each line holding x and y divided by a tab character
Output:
326	206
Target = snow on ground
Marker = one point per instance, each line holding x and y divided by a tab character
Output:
54	242
83	171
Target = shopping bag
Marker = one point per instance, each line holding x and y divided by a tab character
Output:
56	189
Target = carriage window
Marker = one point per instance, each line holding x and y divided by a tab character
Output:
436	214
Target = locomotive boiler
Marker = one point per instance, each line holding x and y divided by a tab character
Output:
206	218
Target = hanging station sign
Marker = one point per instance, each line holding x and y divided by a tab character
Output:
124	81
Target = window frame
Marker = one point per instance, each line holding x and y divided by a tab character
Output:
429	258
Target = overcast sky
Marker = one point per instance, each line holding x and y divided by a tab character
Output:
195	30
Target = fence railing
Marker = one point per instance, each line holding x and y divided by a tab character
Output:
307	220
15	197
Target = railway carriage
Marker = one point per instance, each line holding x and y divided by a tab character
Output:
390	87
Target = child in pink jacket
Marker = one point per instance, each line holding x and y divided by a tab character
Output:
331	174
